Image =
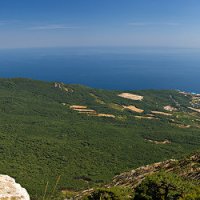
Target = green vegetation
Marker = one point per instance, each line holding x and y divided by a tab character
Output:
41	139
167	186
114	193
160	186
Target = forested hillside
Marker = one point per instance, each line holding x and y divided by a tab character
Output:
170	179
69	137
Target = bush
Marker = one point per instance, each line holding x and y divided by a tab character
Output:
115	193
167	186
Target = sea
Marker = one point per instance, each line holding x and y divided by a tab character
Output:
118	68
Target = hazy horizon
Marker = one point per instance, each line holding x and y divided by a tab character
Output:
138	44
108	68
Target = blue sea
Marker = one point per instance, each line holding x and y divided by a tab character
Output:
105	67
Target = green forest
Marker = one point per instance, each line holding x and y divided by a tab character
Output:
48	147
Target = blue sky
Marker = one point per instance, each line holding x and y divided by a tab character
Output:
53	23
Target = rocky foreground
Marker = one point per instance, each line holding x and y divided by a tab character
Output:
188	168
9	189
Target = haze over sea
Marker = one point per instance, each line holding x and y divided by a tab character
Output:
105	67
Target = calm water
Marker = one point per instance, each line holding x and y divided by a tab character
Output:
110	68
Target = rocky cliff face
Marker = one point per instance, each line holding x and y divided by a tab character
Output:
9	189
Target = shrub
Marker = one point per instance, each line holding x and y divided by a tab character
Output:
115	193
166	186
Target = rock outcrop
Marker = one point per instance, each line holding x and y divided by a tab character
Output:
188	168
9	189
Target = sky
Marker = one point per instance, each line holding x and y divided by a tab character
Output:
66	23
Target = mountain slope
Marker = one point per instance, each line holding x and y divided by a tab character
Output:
85	136
188	169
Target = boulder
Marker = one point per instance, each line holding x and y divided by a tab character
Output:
9	189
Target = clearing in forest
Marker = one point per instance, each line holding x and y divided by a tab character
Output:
134	109
134	97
